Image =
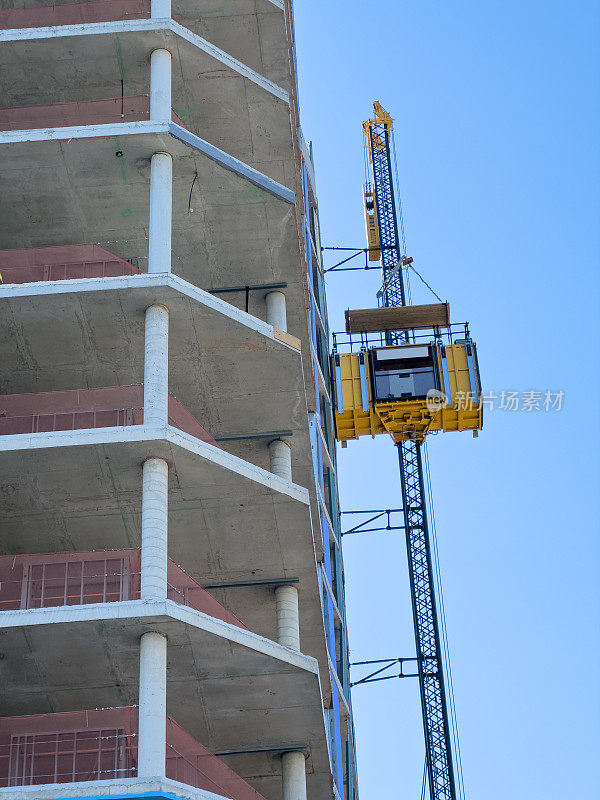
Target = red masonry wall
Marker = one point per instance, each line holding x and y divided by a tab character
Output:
77	409
61	263
74	13
44	580
101	745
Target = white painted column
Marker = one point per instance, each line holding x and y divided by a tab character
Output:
293	769
159	9
276	310
156	367
161	213
152	719
281	459
160	85
288	619
155	508
161	165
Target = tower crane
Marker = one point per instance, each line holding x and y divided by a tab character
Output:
408	373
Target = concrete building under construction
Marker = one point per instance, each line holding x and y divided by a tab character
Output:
172	617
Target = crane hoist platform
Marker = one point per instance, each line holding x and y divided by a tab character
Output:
409	388
405	370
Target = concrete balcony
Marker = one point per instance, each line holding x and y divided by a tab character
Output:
253	31
233	226
86	409
50	580
245	697
82	746
218	98
237	529
61	263
224	364
83	112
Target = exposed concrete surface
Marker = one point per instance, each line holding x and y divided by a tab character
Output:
155	509
294	776
156	365
218	356
241	226
127	787
280	455
288	620
276	310
229	688
161	210
66	496
152	705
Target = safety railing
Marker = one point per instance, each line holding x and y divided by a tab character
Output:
65	262
355	342
50	580
103	745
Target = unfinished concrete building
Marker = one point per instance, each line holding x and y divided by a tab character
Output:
171	585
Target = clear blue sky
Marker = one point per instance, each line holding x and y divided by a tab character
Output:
497	127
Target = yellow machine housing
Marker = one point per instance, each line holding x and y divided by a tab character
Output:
372	226
407	390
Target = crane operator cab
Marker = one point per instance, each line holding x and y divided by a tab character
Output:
406	389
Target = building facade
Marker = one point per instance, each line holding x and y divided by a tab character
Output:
172	616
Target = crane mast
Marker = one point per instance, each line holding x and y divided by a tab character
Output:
382	232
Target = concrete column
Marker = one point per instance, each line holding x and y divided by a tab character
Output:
161	212
293	769
281	459
159	9
288	619
156	367
276	313
160	85
155	507
152	721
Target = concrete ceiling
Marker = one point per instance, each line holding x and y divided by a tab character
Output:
224	365
88	657
228	521
216	97
76	190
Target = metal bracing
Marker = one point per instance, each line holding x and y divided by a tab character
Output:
383	186
438	751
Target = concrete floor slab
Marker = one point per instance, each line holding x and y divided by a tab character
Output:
230	689
232	226
223	363
253	31
229	521
217	97
319	788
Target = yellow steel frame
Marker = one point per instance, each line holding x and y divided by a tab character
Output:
407	419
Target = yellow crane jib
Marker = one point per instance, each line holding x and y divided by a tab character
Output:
372	129
407	390
371	225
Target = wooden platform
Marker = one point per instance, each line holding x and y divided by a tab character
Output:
367	320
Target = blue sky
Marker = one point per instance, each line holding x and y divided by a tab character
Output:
497	123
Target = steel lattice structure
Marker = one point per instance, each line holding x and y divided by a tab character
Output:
427	638
383	187
438	750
